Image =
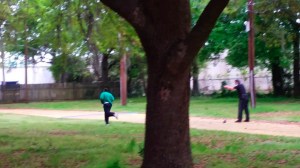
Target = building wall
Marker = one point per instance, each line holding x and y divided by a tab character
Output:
35	75
217	71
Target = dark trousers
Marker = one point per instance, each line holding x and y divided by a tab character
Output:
107	113
243	105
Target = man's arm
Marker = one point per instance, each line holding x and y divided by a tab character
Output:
101	98
229	87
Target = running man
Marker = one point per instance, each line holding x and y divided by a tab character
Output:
107	99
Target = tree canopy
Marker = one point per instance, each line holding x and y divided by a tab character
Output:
68	29
273	39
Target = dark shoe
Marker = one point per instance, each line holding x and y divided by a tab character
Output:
246	120
237	121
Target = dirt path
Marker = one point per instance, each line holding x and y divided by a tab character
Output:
253	127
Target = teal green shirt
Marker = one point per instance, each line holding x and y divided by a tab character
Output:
106	97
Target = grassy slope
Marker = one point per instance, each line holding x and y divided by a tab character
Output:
44	142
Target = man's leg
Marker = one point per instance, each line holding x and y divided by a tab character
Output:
107	112
106	118
240	112
107	108
246	110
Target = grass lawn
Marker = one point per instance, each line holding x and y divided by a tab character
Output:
27	141
199	106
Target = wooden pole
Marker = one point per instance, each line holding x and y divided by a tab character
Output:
123	72
251	53
26	58
123	80
3	59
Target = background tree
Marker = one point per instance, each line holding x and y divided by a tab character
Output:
217	41
32	23
266	55
63	39
4	15
282	30
171	46
75	69
137	75
270	53
67	29
99	34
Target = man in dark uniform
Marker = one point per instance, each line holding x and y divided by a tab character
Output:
243	100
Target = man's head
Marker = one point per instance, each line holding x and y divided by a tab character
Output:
237	82
105	90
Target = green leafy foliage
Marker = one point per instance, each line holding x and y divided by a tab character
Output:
275	29
76	28
229	33
72	68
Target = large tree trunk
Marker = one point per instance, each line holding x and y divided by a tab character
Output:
277	79
104	66
296	73
167	141
170	46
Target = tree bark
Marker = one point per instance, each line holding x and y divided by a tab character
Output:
296	74
170	46
104	65
95	59
167	141
277	79
195	74
87	32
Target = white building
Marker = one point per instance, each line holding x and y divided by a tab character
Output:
37	74
216	71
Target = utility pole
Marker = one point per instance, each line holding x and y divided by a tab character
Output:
3	64
3	59
123	72
123	80
251	52
26	57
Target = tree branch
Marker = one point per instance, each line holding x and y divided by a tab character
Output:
81	28
128	9
200	32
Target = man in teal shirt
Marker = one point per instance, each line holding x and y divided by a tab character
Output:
107	99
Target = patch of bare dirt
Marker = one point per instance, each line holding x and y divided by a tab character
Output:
74	164
63	133
37	161
18	152
254	127
134	161
227	157
199	165
278	114
4	161
209	142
